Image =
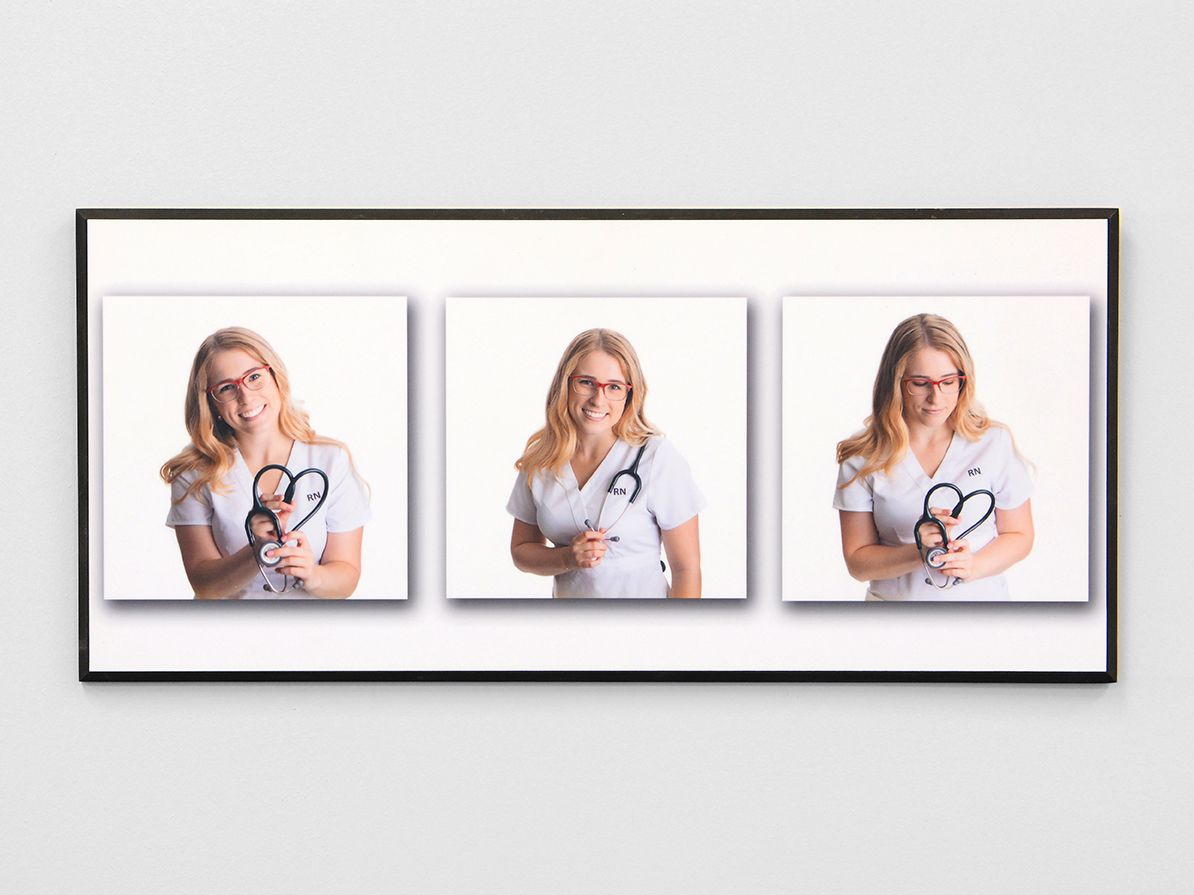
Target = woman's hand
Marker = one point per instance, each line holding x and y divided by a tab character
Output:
263	526
587	549
930	535
959	561
297	560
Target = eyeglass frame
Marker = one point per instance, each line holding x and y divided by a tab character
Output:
601	386
238	383
936	383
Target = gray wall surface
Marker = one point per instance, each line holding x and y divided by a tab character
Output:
593	788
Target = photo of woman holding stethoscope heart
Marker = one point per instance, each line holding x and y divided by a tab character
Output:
932	496
261	506
600	490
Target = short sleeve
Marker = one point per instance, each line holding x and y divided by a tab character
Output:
521	504
859	495
193	509
674	497
1013	485
348	500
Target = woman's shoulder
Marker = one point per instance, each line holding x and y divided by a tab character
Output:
332	453
660	445
187	477
660	450
996	436
183	489
853	463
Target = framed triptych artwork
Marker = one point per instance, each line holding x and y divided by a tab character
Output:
674	444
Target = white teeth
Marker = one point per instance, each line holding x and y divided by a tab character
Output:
250	414
593	415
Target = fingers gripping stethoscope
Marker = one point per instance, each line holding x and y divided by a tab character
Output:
260	509
632	473
935	557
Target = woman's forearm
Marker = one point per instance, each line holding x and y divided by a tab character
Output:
217	579
879	562
1002	553
337	581
686	584
539	559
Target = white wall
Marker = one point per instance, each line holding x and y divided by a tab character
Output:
592	788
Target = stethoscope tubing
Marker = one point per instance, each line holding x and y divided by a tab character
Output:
935	557
632	472
260	509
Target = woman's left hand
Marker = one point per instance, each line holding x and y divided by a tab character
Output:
959	561
297	559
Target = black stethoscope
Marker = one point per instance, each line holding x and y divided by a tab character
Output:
631	472
260	509
935	557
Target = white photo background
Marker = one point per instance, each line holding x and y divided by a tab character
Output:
500	358
347	362
1032	367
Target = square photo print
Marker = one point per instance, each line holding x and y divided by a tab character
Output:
936	448
603	456
254	447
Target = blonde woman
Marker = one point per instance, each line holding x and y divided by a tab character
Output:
927	428
599	489
240	419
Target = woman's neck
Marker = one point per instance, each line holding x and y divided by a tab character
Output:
925	438
594	447
259	450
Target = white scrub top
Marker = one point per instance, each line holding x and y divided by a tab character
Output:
631	565
897	501
346	508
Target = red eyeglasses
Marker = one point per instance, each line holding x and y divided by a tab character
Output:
586	387
922	385
227	390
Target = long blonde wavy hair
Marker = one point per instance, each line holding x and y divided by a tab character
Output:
553	445
883	442
212	451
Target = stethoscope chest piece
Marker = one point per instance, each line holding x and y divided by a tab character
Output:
260	549
265	547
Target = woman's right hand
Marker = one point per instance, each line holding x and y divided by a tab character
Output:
263	526
587	548
930	535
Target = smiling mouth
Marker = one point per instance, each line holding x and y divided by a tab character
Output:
251	414
595	414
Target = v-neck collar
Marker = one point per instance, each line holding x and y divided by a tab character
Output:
244	475
577	496
605	461
914	469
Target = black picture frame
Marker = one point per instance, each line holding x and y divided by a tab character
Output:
1105	675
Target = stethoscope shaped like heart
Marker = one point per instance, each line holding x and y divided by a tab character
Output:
935	557
260	509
